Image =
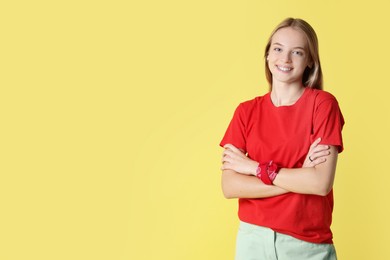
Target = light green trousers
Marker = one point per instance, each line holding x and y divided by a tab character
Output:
260	243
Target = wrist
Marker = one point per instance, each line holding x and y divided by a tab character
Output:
267	172
254	168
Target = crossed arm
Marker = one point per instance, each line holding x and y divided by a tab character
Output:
315	177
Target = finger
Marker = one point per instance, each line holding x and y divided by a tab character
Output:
234	153
225	166
318	161
318	151
320	148
225	159
319	154
232	147
229	157
315	143
228	153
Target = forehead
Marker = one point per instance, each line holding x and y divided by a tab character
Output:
290	37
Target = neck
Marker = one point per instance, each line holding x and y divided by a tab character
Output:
286	95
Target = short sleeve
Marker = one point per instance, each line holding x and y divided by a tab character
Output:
328	123
235	133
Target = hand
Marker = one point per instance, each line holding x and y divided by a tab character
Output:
317	154
234	159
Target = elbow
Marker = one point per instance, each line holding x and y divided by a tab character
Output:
227	193
327	190
322	189
323	192
227	187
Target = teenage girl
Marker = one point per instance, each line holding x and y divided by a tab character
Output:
281	152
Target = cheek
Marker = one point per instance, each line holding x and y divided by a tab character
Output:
271	66
271	60
302	63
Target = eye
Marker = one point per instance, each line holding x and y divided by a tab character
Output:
277	49
299	53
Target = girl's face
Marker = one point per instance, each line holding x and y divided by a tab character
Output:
288	56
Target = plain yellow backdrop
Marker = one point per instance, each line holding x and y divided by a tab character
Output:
111	113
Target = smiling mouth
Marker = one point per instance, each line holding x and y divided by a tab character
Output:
285	69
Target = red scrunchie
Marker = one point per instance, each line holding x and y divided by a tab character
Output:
267	172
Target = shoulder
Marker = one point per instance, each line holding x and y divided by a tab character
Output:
322	96
248	109
251	104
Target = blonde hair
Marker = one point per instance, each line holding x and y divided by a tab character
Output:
312	76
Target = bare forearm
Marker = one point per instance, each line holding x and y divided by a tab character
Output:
300	180
316	180
235	185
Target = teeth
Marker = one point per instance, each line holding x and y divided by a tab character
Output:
284	68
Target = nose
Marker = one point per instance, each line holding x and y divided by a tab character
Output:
286	57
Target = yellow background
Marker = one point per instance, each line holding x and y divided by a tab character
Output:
111	113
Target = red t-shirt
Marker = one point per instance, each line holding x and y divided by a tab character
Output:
284	134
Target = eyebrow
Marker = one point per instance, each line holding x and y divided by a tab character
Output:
276	43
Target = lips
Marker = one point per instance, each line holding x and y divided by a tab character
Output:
283	68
